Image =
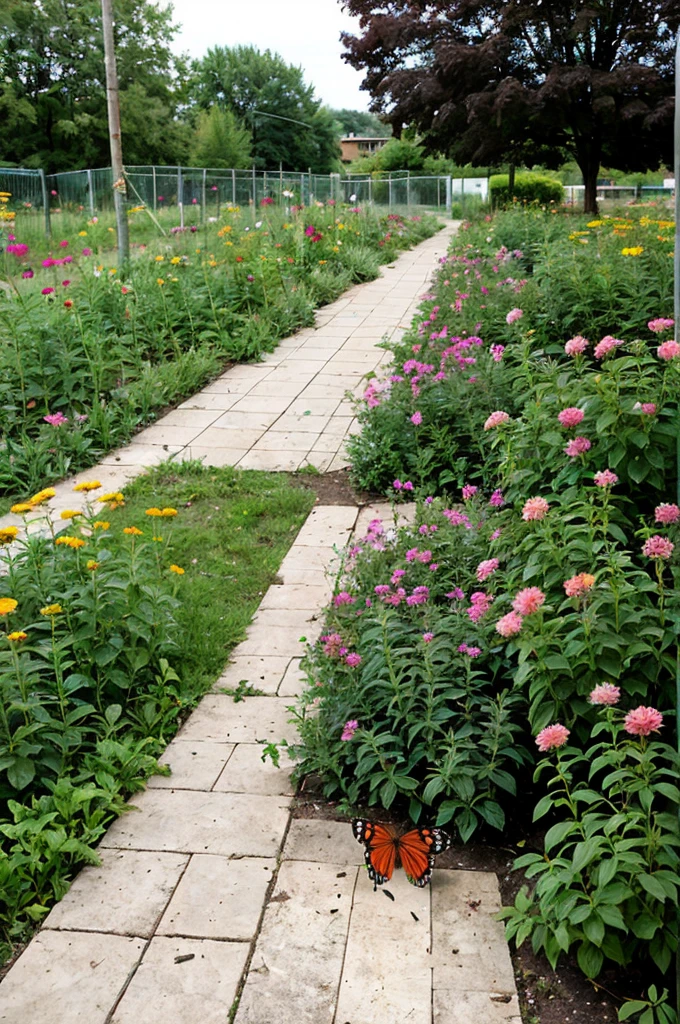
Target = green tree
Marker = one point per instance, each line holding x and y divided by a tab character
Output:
289	126
361	122
220	141
52	91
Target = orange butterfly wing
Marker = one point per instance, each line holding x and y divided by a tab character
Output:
380	849
417	850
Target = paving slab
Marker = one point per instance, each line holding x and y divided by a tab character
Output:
304	596
68	978
456	1007
280	641
252	720
323	841
185	821
126	895
192	765
183	981
297	963
219	898
246	772
292	684
262	672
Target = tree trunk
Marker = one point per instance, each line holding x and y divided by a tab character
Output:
588	159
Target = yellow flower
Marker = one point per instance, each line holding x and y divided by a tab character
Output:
89	485
173	279
17	635
113	496
212	263
666	225
153	512
51	609
116	504
82	234
132	531
8	534
159	539
69	513
635	250
159	259
44	495
112	270
159	280
175	260
101	524
7	605
176	568
167	512
71	542
23	506
91	564
322	261
595	223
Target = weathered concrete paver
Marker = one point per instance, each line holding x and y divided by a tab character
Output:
209	888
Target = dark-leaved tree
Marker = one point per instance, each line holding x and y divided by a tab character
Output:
525	80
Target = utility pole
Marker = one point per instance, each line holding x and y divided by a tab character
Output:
113	107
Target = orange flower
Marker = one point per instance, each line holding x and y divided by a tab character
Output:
7	605
17	635
176	569
132	531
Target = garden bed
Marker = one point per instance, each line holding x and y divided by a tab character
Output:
121	624
520	636
91	352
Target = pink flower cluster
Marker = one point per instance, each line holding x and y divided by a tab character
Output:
579	585
668	350
417	419
399	486
577	446
570	417
605	478
605	693
497	500
495	419
509	625
535	508
642	721
457	518
56	419
576	346
607	345
497	352
514	315
468	491
667	513
343	598
52	262
661	324
18	249
552	737
486	569
419	596
528	601
349	729
472	652
480	604
332	645
353	659
657	547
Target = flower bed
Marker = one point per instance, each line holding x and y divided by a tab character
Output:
90	352
531	606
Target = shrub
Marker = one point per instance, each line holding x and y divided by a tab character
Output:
529	187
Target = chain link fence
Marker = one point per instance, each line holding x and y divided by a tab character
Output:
209	189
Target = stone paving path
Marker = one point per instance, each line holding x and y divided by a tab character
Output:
211	905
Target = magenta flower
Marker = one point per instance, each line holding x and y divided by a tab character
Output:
267	201
667	513
310	230
660	324
408	486
605	478
417	419
47	291
669	350
578	446
642	721
353	659
570	417
648	408
607	345
657	547
480	604
468	491
27	273
65	284
455	595
419	596
528	600
497	352
55	419
397	485
605	693
87	252
495	419
497	500
63	244
552	737
535	508
486	569
509	625
428	638
472	652
513	315
49	262
576	346
343	598
349	729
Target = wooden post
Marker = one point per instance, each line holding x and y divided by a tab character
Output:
113	107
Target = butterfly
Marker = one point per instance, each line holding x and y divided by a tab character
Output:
384	850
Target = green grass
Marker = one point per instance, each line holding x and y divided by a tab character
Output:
232	532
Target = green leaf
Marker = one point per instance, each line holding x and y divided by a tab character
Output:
590	959
21	773
113	713
558	833
653	887
630	1007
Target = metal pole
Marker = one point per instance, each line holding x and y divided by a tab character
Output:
203	197
408	188
113	107
462	196
233	187
180	196
254	187
449	194
389	192
90	189
46	203
153	185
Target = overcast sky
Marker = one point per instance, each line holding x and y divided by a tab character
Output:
304	32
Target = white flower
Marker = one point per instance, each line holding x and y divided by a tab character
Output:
258	224
353	199
287	193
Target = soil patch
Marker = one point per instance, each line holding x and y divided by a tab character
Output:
334	488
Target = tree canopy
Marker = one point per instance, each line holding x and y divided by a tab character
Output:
52	84
271	98
219	141
361	122
525	80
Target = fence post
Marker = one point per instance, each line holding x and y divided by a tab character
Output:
233	186
449	194
408	188
254	187
91	191
180	196
46	204
389	193
370	190
203	196
153	185
302	190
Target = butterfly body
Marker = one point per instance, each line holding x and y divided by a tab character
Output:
385	849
